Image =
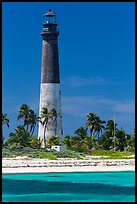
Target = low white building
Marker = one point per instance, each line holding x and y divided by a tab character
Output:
58	147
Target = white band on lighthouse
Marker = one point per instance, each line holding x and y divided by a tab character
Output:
50	97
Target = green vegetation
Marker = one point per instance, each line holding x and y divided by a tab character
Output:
6	153
96	137
69	154
5	120
40	153
113	157
53	154
44	118
111	154
29	116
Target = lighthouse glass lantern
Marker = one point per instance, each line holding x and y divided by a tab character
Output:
49	21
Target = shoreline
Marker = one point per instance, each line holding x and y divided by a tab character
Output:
63	170
26	165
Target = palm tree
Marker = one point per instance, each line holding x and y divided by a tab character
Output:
112	129
133	138
130	141
127	141
67	141
53	140
91	121
29	116
43	119
53	116
107	140
133	141
121	140
111	126
91	142
81	132
80	140
33	119
20	138
23	114
99	127
47	117
5	120
94	123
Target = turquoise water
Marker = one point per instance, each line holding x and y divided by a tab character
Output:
69	187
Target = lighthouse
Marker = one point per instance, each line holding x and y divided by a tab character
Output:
50	93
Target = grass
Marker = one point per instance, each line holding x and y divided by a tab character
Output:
33	153
40	153
110	153
53	154
112	157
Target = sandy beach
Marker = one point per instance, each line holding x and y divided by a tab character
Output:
28	165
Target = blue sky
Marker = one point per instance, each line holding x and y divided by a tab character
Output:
96	56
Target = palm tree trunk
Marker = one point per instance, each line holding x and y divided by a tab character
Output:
27	126
33	130
55	121
91	130
46	124
44	134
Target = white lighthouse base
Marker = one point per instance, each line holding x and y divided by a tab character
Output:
50	97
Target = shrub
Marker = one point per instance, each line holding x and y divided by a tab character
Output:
35	143
43	155
21	137
68	154
6	153
111	154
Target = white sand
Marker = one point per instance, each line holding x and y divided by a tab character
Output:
65	169
25	165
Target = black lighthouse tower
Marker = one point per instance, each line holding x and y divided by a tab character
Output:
50	94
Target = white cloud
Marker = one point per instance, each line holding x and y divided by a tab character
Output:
76	81
79	107
81	104
125	107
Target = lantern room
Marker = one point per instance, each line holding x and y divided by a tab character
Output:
49	24
50	17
